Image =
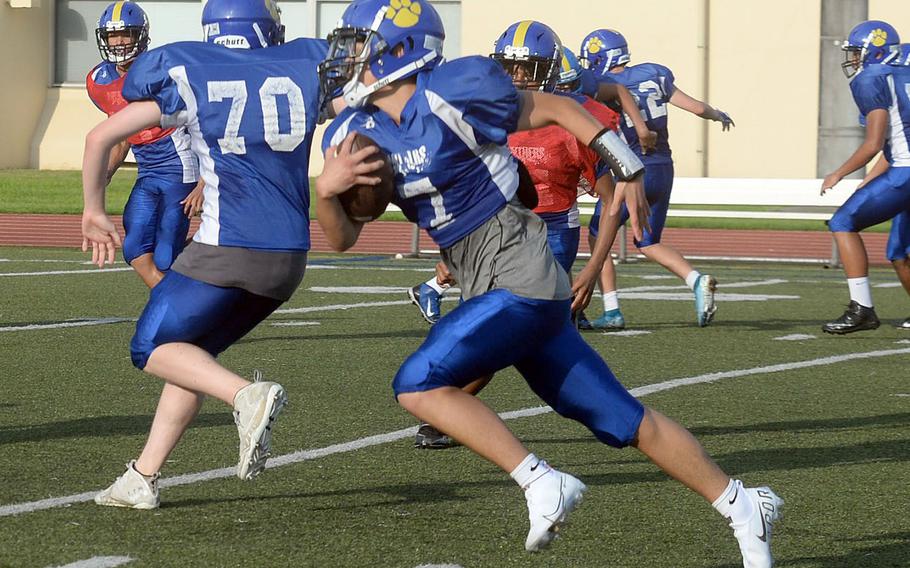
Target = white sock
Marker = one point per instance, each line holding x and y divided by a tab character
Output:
529	470
440	289
692	278
611	301
734	504
860	292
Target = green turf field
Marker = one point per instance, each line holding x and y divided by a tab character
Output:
832	438
32	191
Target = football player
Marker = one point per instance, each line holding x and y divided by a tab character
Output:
882	93
557	162
156	216
251	111
446	130
558	167
606	54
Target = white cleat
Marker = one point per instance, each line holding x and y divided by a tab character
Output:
131	490
705	306
550	500
256	407
754	536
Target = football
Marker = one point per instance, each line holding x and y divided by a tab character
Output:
364	203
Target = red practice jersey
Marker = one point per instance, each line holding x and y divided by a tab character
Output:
558	162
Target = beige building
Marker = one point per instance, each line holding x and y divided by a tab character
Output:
759	60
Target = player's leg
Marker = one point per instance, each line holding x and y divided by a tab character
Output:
611	318
659	186
883	198
184	326
569	375
899	254
481	336
140	221
173	224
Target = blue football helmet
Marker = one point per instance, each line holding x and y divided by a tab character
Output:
602	50
245	24
395	39
869	43
122	19
531	53
569	73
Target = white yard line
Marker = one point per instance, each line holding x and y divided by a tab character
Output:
100	562
795	337
307	455
66	272
65	324
295	323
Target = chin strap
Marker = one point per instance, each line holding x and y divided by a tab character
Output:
356	93
617	154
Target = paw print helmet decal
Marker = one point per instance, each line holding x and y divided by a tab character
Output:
603	49
869	43
530	52
395	39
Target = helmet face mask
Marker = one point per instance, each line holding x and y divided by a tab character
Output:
122	32
350	51
853	61
530	72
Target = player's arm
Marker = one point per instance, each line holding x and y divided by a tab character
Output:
97	227
584	282
343	169
876	128
538	110
607	92
116	158
880	167
701	109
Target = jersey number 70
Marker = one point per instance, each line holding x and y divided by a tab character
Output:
272	87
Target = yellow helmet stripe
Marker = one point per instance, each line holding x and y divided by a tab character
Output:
565	63
521	33
118	7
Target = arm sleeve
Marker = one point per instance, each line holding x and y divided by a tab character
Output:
483	93
150	78
871	92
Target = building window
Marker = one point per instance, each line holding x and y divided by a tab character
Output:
75	51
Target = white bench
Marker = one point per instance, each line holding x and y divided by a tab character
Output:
732	192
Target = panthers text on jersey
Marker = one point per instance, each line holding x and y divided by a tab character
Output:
652	85
453	170
159	152
558	163
887	87
251	116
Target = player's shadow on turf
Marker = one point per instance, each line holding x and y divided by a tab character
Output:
417	334
392	495
893	554
98	427
793	426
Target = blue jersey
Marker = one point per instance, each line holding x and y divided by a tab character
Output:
887	87
588	83
453	168
251	116
652	85
162	154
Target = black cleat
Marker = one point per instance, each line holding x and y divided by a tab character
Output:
429	438
855	318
